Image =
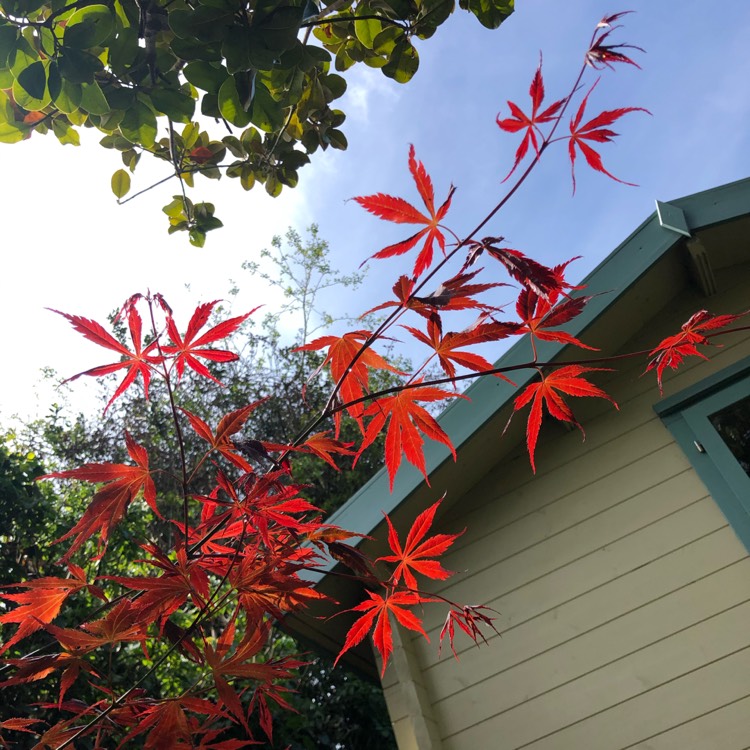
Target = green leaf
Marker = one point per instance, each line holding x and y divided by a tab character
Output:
70	96
236	49
65	133
174	104
403	62
206	76
266	112
367	29
491	13
120	183
230	106
89	27
8	37
197	237
139	125
335	84
93	100
280	28
78	66
33	80
204	23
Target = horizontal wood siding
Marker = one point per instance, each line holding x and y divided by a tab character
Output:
623	596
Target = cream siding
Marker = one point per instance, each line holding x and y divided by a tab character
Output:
623	595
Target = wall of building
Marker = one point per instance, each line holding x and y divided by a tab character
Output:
623	595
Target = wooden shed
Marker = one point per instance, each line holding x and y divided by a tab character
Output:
620	571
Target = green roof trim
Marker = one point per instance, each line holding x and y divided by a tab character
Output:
618	272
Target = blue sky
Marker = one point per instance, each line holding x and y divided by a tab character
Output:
67	245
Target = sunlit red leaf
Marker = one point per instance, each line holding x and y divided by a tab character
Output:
187	349
138	362
407	420
42	602
353	379
415	554
123	483
376	618
448	347
548	392
399	211
596	130
530	124
672	350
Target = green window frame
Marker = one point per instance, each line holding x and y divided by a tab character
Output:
686	415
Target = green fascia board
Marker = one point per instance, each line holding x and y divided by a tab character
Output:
618	272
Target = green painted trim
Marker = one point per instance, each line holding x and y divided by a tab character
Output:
618	272
688	422
706	387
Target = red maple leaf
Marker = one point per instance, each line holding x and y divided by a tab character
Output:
547	392
352	379
595	130
468	618
454	294
526	271
673	349
539	315
401	211
122	483
407	420
41	603
376	611
601	55
413	555
121	624
447	346
520	121
229	425
139	361
190	347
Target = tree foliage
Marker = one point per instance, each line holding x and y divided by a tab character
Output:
149	74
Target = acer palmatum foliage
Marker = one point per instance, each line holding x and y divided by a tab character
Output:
230	561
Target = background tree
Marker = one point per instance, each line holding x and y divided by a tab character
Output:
336	708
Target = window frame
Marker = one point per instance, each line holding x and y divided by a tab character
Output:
686	415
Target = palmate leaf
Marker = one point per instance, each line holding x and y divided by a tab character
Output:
41	603
407	420
416	551
672	350
595	130
123	482
377	610
189	348
448	347
400	211
351	377
138	362
529	123
602	55
548	392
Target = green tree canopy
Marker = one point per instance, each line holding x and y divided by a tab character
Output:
266	71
